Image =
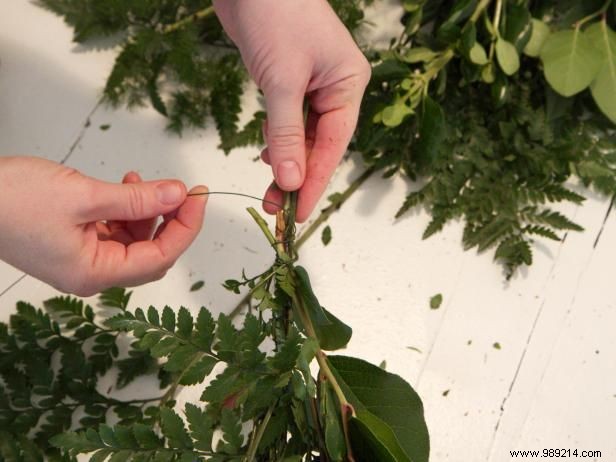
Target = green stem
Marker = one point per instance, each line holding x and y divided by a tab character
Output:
201	14
483	4
497	16
254	443
329	210
263	226
310	230
599	12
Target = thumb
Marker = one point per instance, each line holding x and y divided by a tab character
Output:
134	201
285	135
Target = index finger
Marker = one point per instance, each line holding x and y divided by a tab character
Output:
332	133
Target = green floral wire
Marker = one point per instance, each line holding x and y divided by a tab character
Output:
237	194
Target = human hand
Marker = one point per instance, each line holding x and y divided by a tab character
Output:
294	49
51	225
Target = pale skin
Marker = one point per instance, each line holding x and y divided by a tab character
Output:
82	235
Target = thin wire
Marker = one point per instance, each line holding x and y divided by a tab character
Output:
237	194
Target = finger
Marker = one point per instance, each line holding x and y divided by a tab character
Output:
131	202
285	137
333	131
273	196
140	230
265	157
145	261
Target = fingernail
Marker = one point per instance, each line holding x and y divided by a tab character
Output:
288	175
169	193
200	191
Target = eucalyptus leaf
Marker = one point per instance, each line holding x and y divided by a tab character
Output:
603	88
393	115
540	32
571	61
418	55
507	56
478	55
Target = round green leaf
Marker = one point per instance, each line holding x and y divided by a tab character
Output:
478	55
538	36
603	88
393	115
507	56
571	62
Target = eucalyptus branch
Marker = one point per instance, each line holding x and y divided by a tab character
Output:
599	12
482	5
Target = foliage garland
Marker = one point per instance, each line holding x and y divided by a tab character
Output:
261	403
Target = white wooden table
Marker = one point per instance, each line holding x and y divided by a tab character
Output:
552	384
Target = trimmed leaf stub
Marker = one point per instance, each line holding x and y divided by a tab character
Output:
389	424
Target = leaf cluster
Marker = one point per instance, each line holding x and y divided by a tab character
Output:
259	398
51	362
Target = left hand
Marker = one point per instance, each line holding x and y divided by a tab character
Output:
296	49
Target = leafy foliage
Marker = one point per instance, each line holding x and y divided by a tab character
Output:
478	99
259	398
50	364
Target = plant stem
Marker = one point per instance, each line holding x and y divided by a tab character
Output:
310	230
201	14
329	210
263	225
483	4
497	16
254	443
599	12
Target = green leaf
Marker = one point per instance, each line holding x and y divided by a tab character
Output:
517	26
168	319
387	397
431	134
507	56
418	55
145	436
477	54
603	88
185	323
311	303
436	301
334	436
372	440
540	32
197	285
393	115
173	428
326	235
201	428
197	372
571	61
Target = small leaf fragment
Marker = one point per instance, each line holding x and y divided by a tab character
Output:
197	285
436	301
326	235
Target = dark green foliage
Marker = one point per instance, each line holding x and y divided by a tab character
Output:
50	371
477	122
270	388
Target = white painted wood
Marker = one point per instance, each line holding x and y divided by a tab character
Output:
546	387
